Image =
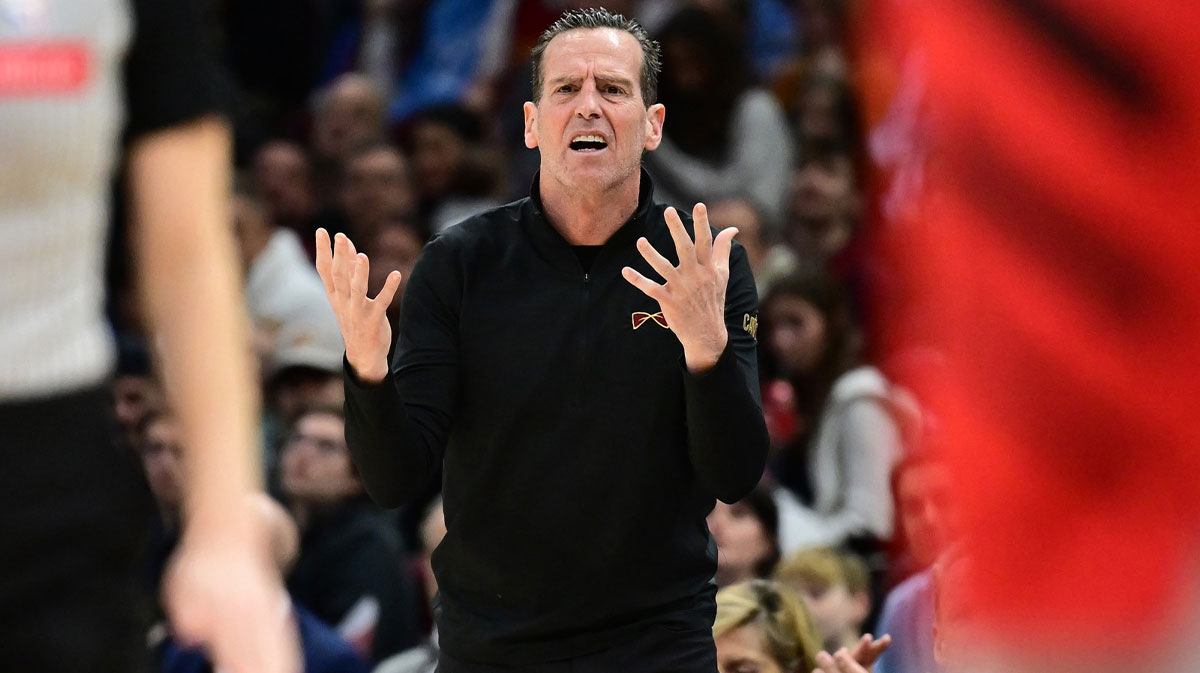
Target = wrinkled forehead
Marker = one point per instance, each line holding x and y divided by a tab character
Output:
604	50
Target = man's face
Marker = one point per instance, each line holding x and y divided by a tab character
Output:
923	495
352	116
162	460
376	184
591	124
741	214
437	154
393	248
281	175
315	464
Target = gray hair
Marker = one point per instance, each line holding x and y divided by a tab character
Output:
576	19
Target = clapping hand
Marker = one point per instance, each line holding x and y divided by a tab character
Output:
859	660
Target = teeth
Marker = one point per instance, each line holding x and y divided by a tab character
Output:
588	139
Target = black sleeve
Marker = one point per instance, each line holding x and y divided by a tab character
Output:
727	435
397	430
171	74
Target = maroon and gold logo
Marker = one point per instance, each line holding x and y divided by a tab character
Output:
640	318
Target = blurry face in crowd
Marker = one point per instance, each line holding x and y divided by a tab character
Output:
134	396
299	388
922	493
162	459
591	124
741	214
251	229
315	465
350	116
834	609
742	541
283	178
818	121
437	154
744	650
686	71
376	184
823	188
798	334
394	248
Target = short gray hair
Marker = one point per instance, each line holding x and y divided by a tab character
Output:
576	19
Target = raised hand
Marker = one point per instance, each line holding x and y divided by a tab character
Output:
859	660
363	320
693	297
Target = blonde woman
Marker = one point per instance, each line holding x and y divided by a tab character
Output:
761	627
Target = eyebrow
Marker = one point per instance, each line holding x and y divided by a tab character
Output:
612	78
607	78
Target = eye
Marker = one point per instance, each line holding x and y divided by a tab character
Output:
566	88
613	89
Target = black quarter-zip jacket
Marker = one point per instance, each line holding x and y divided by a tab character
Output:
580	455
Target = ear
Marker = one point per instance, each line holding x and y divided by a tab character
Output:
531	111
655	116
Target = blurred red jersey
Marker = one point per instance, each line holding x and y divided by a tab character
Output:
1054	257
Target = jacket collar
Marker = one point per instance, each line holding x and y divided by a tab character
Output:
551	242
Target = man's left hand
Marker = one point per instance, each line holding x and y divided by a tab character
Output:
693	297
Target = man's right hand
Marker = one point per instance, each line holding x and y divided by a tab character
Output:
363	320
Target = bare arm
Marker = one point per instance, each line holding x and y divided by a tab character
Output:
222	589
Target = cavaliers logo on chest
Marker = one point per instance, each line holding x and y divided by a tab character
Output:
641	318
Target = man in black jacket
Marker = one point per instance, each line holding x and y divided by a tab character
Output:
584	370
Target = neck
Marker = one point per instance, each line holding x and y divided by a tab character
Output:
589	217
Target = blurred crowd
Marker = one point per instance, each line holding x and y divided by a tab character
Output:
392	120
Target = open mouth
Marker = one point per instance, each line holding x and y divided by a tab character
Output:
588	143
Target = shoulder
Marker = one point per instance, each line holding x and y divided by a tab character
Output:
757	103
490	227
861	382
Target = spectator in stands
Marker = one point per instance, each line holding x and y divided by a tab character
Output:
726	137
283	179
348	114
162	460
423	658
419	53
376	185
349	572
395	245
136	390
296	332
837	469
762	627
827	119
745	534
921	482
455	171
824	208
324	650
835	586
768	261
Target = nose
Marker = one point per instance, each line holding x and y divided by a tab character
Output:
587	103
